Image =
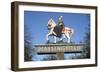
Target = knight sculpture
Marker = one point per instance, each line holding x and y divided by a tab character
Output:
60	26
59	30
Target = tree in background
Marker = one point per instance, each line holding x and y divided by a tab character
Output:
29	51
27	55
87	42
86	49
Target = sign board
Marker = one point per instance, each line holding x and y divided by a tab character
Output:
55	48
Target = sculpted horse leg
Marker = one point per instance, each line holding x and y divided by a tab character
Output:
54	36
55	39
47	36
62	37
68	38
47	39
51	33
68	34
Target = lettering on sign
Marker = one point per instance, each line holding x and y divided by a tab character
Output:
54	48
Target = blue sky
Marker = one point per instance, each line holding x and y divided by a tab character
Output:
36	23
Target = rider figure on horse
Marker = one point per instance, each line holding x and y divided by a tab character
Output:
60	26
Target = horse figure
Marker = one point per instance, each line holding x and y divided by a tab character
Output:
66	31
